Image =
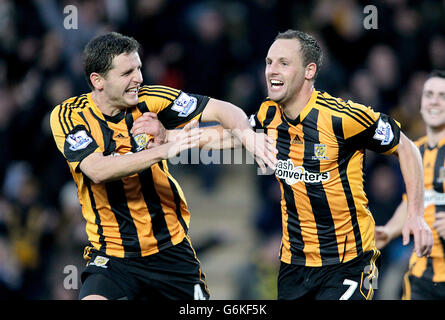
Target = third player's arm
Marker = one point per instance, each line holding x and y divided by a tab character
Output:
393	228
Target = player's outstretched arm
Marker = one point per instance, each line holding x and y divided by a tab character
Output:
412	171
233	132
212	137
100	168
233	118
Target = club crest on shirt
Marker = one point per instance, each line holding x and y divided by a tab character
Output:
100	261
320	152
141	140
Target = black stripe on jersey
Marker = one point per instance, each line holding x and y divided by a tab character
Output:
83	103
176	91
70	107
440	157
177	200
173	95
343	111
343	160
438	185
103	244
85	120
118	203
129	122
65	132
107	133
422	150
70	119
142	106
74	103
118	200
363	115
293	221
270	114
316	193
79	102
65	118
159	96
153	202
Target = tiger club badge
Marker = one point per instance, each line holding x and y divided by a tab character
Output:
142	141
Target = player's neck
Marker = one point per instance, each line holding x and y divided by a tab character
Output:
294	107
435	135
104	104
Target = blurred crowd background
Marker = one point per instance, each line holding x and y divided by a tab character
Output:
215	48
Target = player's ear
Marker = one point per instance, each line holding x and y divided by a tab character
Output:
97	80
310	70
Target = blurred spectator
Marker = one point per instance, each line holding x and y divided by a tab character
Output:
30	228
383	68
364	89
437	52
407	111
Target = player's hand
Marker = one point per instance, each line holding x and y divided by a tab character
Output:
184	139
439	224
382	236
262	147
423	237
149	124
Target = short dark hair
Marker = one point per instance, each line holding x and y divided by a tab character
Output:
436	74
310	49
99	52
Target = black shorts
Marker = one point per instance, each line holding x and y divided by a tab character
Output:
415	288
173	273
352	280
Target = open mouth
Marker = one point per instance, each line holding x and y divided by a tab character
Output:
132	91
434	112
276	83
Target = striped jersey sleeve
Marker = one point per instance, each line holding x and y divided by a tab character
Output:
71	133
265	114
174	107
365	128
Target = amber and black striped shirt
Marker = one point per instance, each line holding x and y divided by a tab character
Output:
141	214
325	215
432	267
